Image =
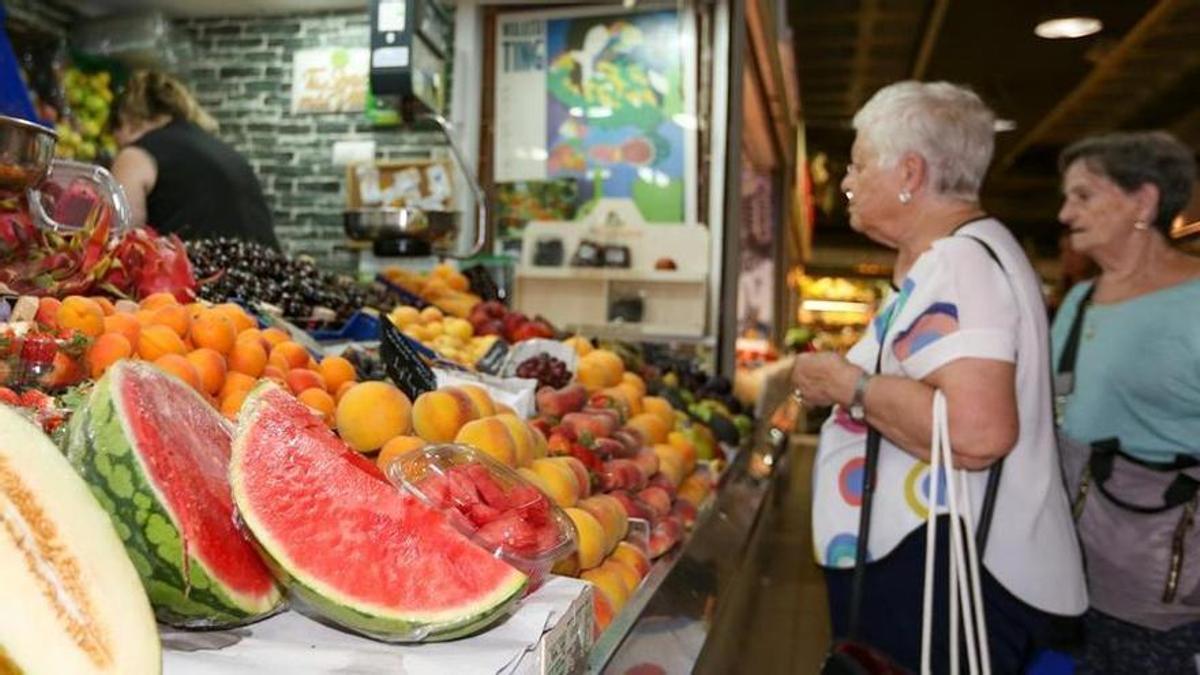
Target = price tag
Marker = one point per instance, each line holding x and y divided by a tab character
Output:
403	363
493	361
482	283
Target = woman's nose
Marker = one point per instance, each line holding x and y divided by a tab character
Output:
1066	213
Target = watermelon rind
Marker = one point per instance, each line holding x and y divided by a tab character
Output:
327	603
99	448
73	601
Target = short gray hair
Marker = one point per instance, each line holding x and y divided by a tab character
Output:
1132	159
946	124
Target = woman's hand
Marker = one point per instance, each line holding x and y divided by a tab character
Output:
825	378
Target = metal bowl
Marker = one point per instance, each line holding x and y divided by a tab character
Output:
25	153
384	224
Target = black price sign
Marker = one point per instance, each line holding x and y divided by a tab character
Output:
493	360
482	283
403	365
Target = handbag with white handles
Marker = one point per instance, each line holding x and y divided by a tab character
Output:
965	593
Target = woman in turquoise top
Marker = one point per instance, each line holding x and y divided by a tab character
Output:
1136	375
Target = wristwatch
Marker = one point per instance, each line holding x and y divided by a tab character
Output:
856	411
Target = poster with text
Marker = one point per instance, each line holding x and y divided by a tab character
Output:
330	80
598	96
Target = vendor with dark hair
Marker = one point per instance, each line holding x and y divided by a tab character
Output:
178	177
1135	380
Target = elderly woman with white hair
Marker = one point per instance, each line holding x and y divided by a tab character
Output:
967	317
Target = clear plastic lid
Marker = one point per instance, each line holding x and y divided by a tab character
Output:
490	503
73	190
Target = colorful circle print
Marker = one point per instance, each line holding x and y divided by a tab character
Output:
850	481
841	549
916	489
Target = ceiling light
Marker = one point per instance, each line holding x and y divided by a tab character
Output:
1068	27
1001	125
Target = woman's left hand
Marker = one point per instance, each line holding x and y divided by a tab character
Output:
825	378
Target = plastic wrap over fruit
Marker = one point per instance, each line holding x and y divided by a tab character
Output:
490	503
514	392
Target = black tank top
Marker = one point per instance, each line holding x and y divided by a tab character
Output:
204	188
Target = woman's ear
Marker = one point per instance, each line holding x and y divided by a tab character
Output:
913	172
1147	199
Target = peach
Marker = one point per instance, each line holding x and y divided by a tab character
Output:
660	407
523	436
635	381
558	482
125	324
579	471
300	379
337	370
670	463
215	331
174	317
232	403
602	613
80	314
439	414
295	354
633	557
652	427
534	479
155	342
235	381
180	367
490	436
371	413
241	320
395	447
248	356
687	450
105	351
580	344
274	336
600	369
591	537
480	397
567	567
633	397
609	584
625	573
611	515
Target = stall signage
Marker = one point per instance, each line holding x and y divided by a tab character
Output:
482	283
493	361
330	80
403	364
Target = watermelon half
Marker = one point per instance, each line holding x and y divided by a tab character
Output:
72	601
356	549
156	456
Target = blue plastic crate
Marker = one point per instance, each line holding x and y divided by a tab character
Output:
361	327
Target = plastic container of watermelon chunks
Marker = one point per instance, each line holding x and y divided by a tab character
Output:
491	504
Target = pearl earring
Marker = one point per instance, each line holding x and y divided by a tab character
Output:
905	196
849	195
1140	225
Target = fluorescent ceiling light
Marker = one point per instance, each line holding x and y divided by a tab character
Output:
835	306
1067	27
1004	125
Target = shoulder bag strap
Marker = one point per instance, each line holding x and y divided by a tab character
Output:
1066	363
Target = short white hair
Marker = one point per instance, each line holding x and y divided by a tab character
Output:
946	124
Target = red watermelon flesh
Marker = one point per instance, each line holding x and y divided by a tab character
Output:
368	554
183	444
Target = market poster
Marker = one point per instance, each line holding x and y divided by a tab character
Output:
330	80
597	97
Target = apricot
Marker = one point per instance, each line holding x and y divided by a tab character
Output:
158	300
431	314
438	415
480	397
174	317
652	427
125	324
249	357
232	403
628	576
491	437
241	320
395	447
279	362
670	463
274	374
105	351
611	515
558	482
155	342
405	316
371	413
341	391
253	335
633	557
180	367
295	355
235	381
47	313
210	368
320	401
687	450
591	538
80	314
106	305
213	330
337	371
300	379
274	336
524	441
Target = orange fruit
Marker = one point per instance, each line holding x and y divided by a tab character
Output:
273	373
320	401
341	390
279	362
249	357
158	301
253	335
81	314
106	305
174	317
231	404
156	341
210	366
241	320
214	331
195	309
371	413
337	371
180	367
235	381
296	355
396	447
105	351
274	336
125	324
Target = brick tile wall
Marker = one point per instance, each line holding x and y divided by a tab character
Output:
242	74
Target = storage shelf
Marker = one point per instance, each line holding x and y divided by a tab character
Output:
610	274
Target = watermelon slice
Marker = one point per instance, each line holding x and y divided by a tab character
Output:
156	455
359	551
72	599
